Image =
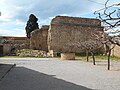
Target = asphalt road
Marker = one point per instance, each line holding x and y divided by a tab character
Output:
54	74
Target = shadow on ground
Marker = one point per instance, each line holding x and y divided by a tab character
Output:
4	69
21	78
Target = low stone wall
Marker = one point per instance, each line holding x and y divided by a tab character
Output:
67	56
31	53
51	53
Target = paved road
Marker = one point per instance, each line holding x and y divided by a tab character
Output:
54	74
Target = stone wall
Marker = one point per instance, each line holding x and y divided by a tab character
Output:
67	33
9	44
75	21
31	53
116	51
38	40
25	45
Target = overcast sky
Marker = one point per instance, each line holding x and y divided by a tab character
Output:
15	13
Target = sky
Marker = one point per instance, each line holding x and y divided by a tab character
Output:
15	13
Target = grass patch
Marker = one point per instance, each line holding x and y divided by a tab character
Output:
100	57
22	57
97	57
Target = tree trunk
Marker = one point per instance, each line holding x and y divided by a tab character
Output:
109	53
87	55
92	53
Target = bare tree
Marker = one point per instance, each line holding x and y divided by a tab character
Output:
110	16
98	42
91	45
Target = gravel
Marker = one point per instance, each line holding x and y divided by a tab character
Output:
55	74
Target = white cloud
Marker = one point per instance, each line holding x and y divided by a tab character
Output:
12	33
19	22
15	12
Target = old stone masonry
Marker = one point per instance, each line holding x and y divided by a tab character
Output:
65	34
